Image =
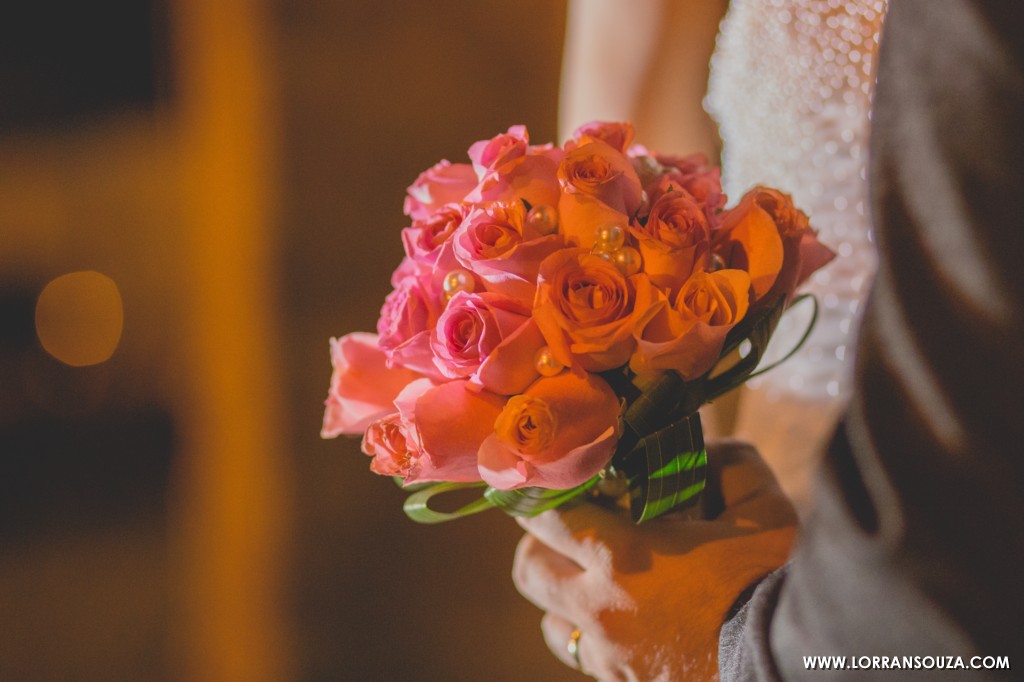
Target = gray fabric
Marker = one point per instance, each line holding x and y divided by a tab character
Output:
917	543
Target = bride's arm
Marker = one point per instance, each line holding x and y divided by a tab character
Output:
644	61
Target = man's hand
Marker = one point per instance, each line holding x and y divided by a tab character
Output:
649	600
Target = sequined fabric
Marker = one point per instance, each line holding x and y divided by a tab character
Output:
791	85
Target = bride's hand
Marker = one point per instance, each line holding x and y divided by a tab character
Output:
649	601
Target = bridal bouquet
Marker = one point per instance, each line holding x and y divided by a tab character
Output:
560	315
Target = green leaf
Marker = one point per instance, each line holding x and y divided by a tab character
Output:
653	408
533	501
409	487
758	331
666	469
417	505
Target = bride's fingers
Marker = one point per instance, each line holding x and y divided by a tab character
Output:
595	656
586	533
548	579
557	635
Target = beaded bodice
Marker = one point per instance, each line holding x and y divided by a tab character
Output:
791	85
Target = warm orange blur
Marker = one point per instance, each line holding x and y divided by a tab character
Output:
167	509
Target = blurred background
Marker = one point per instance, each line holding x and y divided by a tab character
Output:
194	196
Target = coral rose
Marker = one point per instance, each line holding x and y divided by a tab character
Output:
362	385
674	241
766	235
557	434
444	426
687	336
586	310
599	186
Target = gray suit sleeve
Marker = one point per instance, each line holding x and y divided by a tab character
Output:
916	547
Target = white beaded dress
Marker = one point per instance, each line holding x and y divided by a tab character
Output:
790	87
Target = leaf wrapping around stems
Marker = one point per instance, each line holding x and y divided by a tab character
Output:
417	505
662	447
758	332
666	469
533	501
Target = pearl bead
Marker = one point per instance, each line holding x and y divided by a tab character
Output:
458	280
610	237
546	363
716	262
627	260
543	218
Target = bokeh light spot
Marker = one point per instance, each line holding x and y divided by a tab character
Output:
79	318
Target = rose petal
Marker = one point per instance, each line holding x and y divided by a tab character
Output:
500	467
753	244
577	466
510	367
362	385
585	412
813	255
451	423
581	215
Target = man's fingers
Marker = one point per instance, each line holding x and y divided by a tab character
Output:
737	477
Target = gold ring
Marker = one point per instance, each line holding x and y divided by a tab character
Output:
573	648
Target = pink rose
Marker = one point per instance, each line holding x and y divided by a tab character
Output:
407	317
687	336
445	183
557	434
424	239
503	249
599	185
444	427
388	443
587	310
693	174
494	154
489	338
511	170
674	241
362	385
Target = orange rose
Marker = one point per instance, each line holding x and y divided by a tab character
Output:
674	240
766	235
687	336
598	186
586	310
